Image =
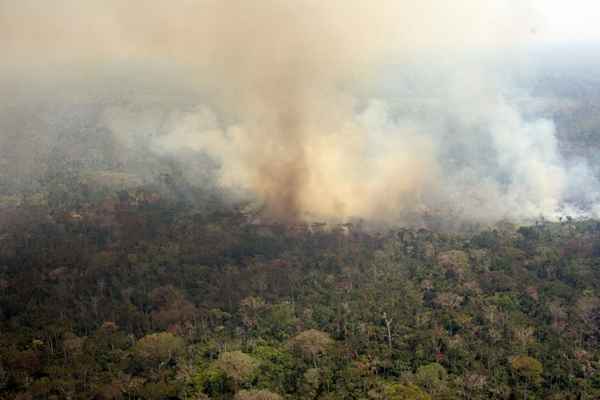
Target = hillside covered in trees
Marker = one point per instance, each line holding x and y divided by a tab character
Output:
131	295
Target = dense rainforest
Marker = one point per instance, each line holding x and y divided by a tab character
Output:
299	200
132	294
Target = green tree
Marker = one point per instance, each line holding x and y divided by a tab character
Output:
311	343
237	366
528	370
158	349
256	395
432	377
407	391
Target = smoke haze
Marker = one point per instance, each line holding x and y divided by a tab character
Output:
383	110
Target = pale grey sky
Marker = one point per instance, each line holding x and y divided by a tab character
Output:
568	20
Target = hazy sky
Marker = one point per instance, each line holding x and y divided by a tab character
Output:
292	76
568	20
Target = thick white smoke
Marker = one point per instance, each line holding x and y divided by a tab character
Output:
384	110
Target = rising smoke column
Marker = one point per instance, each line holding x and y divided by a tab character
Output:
287	109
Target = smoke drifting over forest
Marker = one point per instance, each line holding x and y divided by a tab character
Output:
319	110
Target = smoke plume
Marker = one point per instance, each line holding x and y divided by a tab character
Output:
319	110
